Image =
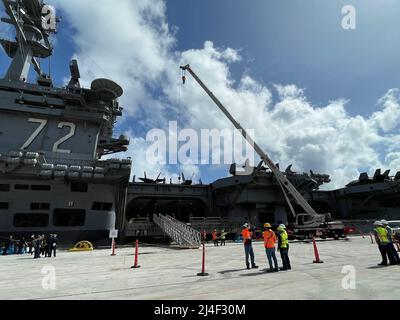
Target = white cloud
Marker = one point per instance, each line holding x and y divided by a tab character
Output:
133	44
387	119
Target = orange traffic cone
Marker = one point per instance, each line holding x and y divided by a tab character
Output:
317	259
203	264
136	265
113	247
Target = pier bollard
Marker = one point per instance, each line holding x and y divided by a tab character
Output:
136	265
113	247
203	264
317	259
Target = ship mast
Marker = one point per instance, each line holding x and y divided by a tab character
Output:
34	22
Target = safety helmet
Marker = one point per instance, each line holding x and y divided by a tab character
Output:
377	223
281	227
246	225
267	225
384	222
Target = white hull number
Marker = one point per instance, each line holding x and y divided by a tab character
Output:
42	124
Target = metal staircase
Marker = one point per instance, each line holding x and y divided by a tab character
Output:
185	236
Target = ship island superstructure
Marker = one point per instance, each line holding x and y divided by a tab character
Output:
52	139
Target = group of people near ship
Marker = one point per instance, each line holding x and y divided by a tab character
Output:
384	236
217	238
385	239
273	241
38	246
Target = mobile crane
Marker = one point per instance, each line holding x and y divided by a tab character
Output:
307	224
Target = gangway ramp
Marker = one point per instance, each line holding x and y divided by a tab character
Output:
185	236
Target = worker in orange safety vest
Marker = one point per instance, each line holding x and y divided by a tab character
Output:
269	244
247	235
215	238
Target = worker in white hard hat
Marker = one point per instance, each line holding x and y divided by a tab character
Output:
223	237
392	249
283	247
382	239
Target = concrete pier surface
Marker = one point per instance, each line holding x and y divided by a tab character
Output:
349	271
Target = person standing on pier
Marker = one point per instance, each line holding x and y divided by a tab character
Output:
269	244
215	238
283	247
392	249
223	237
7	245
247	235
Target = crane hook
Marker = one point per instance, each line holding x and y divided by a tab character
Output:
183	76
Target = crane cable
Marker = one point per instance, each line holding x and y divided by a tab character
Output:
178	111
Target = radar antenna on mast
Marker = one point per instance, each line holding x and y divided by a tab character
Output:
32	37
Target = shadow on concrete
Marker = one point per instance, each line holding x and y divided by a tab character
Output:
141	253
254	274
266	270
231	271
379	267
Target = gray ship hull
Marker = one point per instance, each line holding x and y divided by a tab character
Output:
74	211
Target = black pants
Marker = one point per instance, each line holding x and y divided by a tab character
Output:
216	243
48	252
386	253
5	250
223	242
285	258
249	253
37	252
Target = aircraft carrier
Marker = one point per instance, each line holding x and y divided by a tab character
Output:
53	178
255	198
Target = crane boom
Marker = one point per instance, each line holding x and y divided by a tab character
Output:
283	181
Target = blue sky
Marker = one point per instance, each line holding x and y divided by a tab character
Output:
302	42
299	42
282	42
